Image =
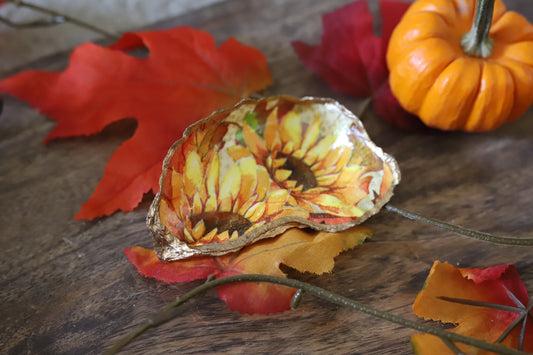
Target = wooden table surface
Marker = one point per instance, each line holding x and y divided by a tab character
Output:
67	288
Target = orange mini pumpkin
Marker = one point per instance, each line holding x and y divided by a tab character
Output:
466	86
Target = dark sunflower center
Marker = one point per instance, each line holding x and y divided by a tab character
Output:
301	172
223	221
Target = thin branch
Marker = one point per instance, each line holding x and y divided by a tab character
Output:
496	306
522	334
520	309
528	241
296	299
53	21
509	329
68	18
333	298
168	313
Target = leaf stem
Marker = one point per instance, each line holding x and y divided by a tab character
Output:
477	42
499	307
167	313
65	17
528	241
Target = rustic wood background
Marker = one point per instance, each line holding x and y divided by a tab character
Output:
67	288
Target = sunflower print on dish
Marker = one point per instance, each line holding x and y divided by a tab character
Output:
261	167
316	164
207	207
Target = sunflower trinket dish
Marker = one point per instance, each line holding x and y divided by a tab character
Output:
263	166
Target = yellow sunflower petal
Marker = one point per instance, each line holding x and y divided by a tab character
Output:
188	236
212	178
293	212
209	236
248	169
350	195
290	184
234	235
322	148
324	170
311	133
231	183
298	153
332	157
211	204
348	176
343	160
255	212
255	143
263	183
306	205
326	180
183	207
276	200
244	206
167	214
310	159
271	103
223	236
281	175
198	230
277	163
237	152
291	200
196	204
291	129
336	206
288	148
351	211
178	201
271	128
316	191
177	184
193	174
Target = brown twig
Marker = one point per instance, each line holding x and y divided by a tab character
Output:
167	312
526	241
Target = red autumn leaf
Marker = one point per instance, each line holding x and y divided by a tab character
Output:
498	285
297	249
351	58
184	79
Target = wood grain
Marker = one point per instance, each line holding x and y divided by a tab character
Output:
67	288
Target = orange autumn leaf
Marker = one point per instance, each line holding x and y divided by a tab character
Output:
305	252
499	285
183	79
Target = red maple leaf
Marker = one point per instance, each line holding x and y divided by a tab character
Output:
295	248
351	58
471	299
184	79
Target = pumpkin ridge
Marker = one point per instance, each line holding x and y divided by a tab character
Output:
452	84
477	121
423	92
510	74
464	118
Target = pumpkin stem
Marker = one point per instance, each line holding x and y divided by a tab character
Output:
477	42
